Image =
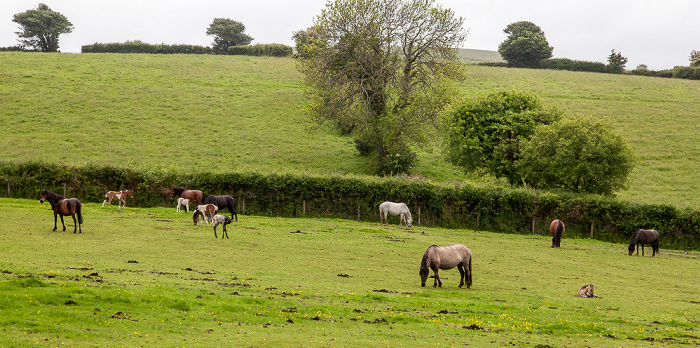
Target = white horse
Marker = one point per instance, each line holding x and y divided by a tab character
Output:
181	202
395	209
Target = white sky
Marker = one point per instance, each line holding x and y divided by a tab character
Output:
660	34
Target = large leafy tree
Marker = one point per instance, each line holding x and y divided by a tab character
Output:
485	132
41	28
227	33
525	45
579	154
383	70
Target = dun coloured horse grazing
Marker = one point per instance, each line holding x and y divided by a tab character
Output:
556	228
63	206
645	237
195	196
120	195
221	202
436	257
395	209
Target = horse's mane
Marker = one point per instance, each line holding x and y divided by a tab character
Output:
179	190
50	194
424	262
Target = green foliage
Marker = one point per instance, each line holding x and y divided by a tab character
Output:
684	72
486	132
571	65
227	33
269	50
616	62
41	28
694	58
373	72
579	154
142	47
525	45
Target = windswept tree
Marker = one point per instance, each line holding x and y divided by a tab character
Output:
694	58
41	28
616	62
383	70
227	33
525	45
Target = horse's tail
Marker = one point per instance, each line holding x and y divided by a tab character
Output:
559	231
78	211
469	275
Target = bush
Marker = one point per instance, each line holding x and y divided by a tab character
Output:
141	47
270	50
686	72
571	65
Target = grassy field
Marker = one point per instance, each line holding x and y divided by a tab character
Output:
145	277
214	113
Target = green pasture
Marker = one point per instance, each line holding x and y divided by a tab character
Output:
199	113
146	277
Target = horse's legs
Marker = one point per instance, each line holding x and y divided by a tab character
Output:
103	203
54	220
461	275
437	282
224	233
75	224
215	236
642	249
62	223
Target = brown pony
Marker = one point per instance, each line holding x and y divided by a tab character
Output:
556	228
644	237
436	257
63	207
195	196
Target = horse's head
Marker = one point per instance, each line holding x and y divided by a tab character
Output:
631	248
129	193
227	220
42	196
409	221
423	275
196	215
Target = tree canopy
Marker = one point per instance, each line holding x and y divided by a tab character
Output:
383	70
41	28
525	45
579	154
616	62
485	132
227	33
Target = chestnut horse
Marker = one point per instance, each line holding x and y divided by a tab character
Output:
556	228
195	196
121	195
644	237
63	206
436	257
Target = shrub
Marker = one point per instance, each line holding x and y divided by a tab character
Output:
269	50
686	72
141	47
571	65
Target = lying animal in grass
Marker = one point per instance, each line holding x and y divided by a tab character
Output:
221	220
181	202
587	291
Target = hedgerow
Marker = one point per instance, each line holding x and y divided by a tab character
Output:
268	50
464	205
142	47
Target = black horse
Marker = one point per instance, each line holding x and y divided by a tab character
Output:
63	206
221	202
644	237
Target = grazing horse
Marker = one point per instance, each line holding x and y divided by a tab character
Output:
183	201
556	228
221	220
195	196
436	257
587	291
63	206
221	202
394	209
204	210
645	237
120	195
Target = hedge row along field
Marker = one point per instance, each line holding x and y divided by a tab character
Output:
481	207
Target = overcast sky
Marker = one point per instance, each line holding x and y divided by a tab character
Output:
660	34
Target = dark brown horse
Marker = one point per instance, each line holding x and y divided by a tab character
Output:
556	228
196	197
644	237
221	202
436	257
63	206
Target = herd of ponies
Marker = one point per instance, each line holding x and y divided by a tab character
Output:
435	257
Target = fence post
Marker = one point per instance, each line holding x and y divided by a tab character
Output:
64	190
358	212
8	189
303	207
591	230
418	215
243	209
534	220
